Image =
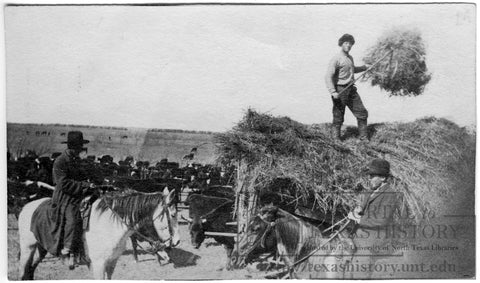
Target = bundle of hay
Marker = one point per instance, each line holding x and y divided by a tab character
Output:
401	69
308	170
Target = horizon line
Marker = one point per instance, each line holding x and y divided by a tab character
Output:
112	127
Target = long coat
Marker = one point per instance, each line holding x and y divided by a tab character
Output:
375	226
373	236
68	180
48	222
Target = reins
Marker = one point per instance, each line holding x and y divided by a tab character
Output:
271	225
318	248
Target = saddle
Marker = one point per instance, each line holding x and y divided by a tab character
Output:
46	226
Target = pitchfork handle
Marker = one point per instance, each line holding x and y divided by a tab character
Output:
366	71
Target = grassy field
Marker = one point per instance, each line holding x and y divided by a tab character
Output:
140	143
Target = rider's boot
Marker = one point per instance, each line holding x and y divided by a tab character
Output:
71	261
68	258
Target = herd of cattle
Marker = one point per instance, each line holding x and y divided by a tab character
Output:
206	191
209	188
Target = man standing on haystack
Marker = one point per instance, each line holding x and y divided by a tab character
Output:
69	191
339	80
374	218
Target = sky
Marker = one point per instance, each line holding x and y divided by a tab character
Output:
200	67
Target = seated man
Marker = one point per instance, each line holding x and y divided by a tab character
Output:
374	215
69	191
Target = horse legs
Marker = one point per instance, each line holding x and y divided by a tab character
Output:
103	269
134	247
98	269
30	259
105	258
109	267
28	243
41	255
229	245
26	259
228	250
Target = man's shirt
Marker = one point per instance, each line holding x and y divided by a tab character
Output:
341	71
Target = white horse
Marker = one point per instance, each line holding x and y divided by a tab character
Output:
112	221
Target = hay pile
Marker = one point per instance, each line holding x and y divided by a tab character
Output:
428	157
402	71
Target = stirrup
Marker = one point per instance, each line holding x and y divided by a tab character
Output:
71	262
68	259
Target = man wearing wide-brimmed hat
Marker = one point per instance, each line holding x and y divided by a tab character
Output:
69	191
374	217
339	80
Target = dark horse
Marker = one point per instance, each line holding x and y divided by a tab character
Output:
300	245
210	213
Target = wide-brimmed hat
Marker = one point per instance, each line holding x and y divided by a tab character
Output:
379	167
75	138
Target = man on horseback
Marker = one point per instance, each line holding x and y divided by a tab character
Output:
70	189
373	215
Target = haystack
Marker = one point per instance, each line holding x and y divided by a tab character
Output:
309	170
400	59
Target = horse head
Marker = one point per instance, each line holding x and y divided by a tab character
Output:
208	213
165	220
197	231
259	238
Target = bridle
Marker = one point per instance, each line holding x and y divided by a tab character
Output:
157	245
270	226
261	239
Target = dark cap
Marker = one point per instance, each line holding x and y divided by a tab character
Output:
379	167
75	138
346	37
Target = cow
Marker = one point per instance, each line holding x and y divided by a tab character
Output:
44	169
55	155
105	159
188	156
19	193
211	213
23	167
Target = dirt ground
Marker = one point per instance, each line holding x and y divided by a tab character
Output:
207	262
443	247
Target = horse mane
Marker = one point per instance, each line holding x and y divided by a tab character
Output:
132	209
298	237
